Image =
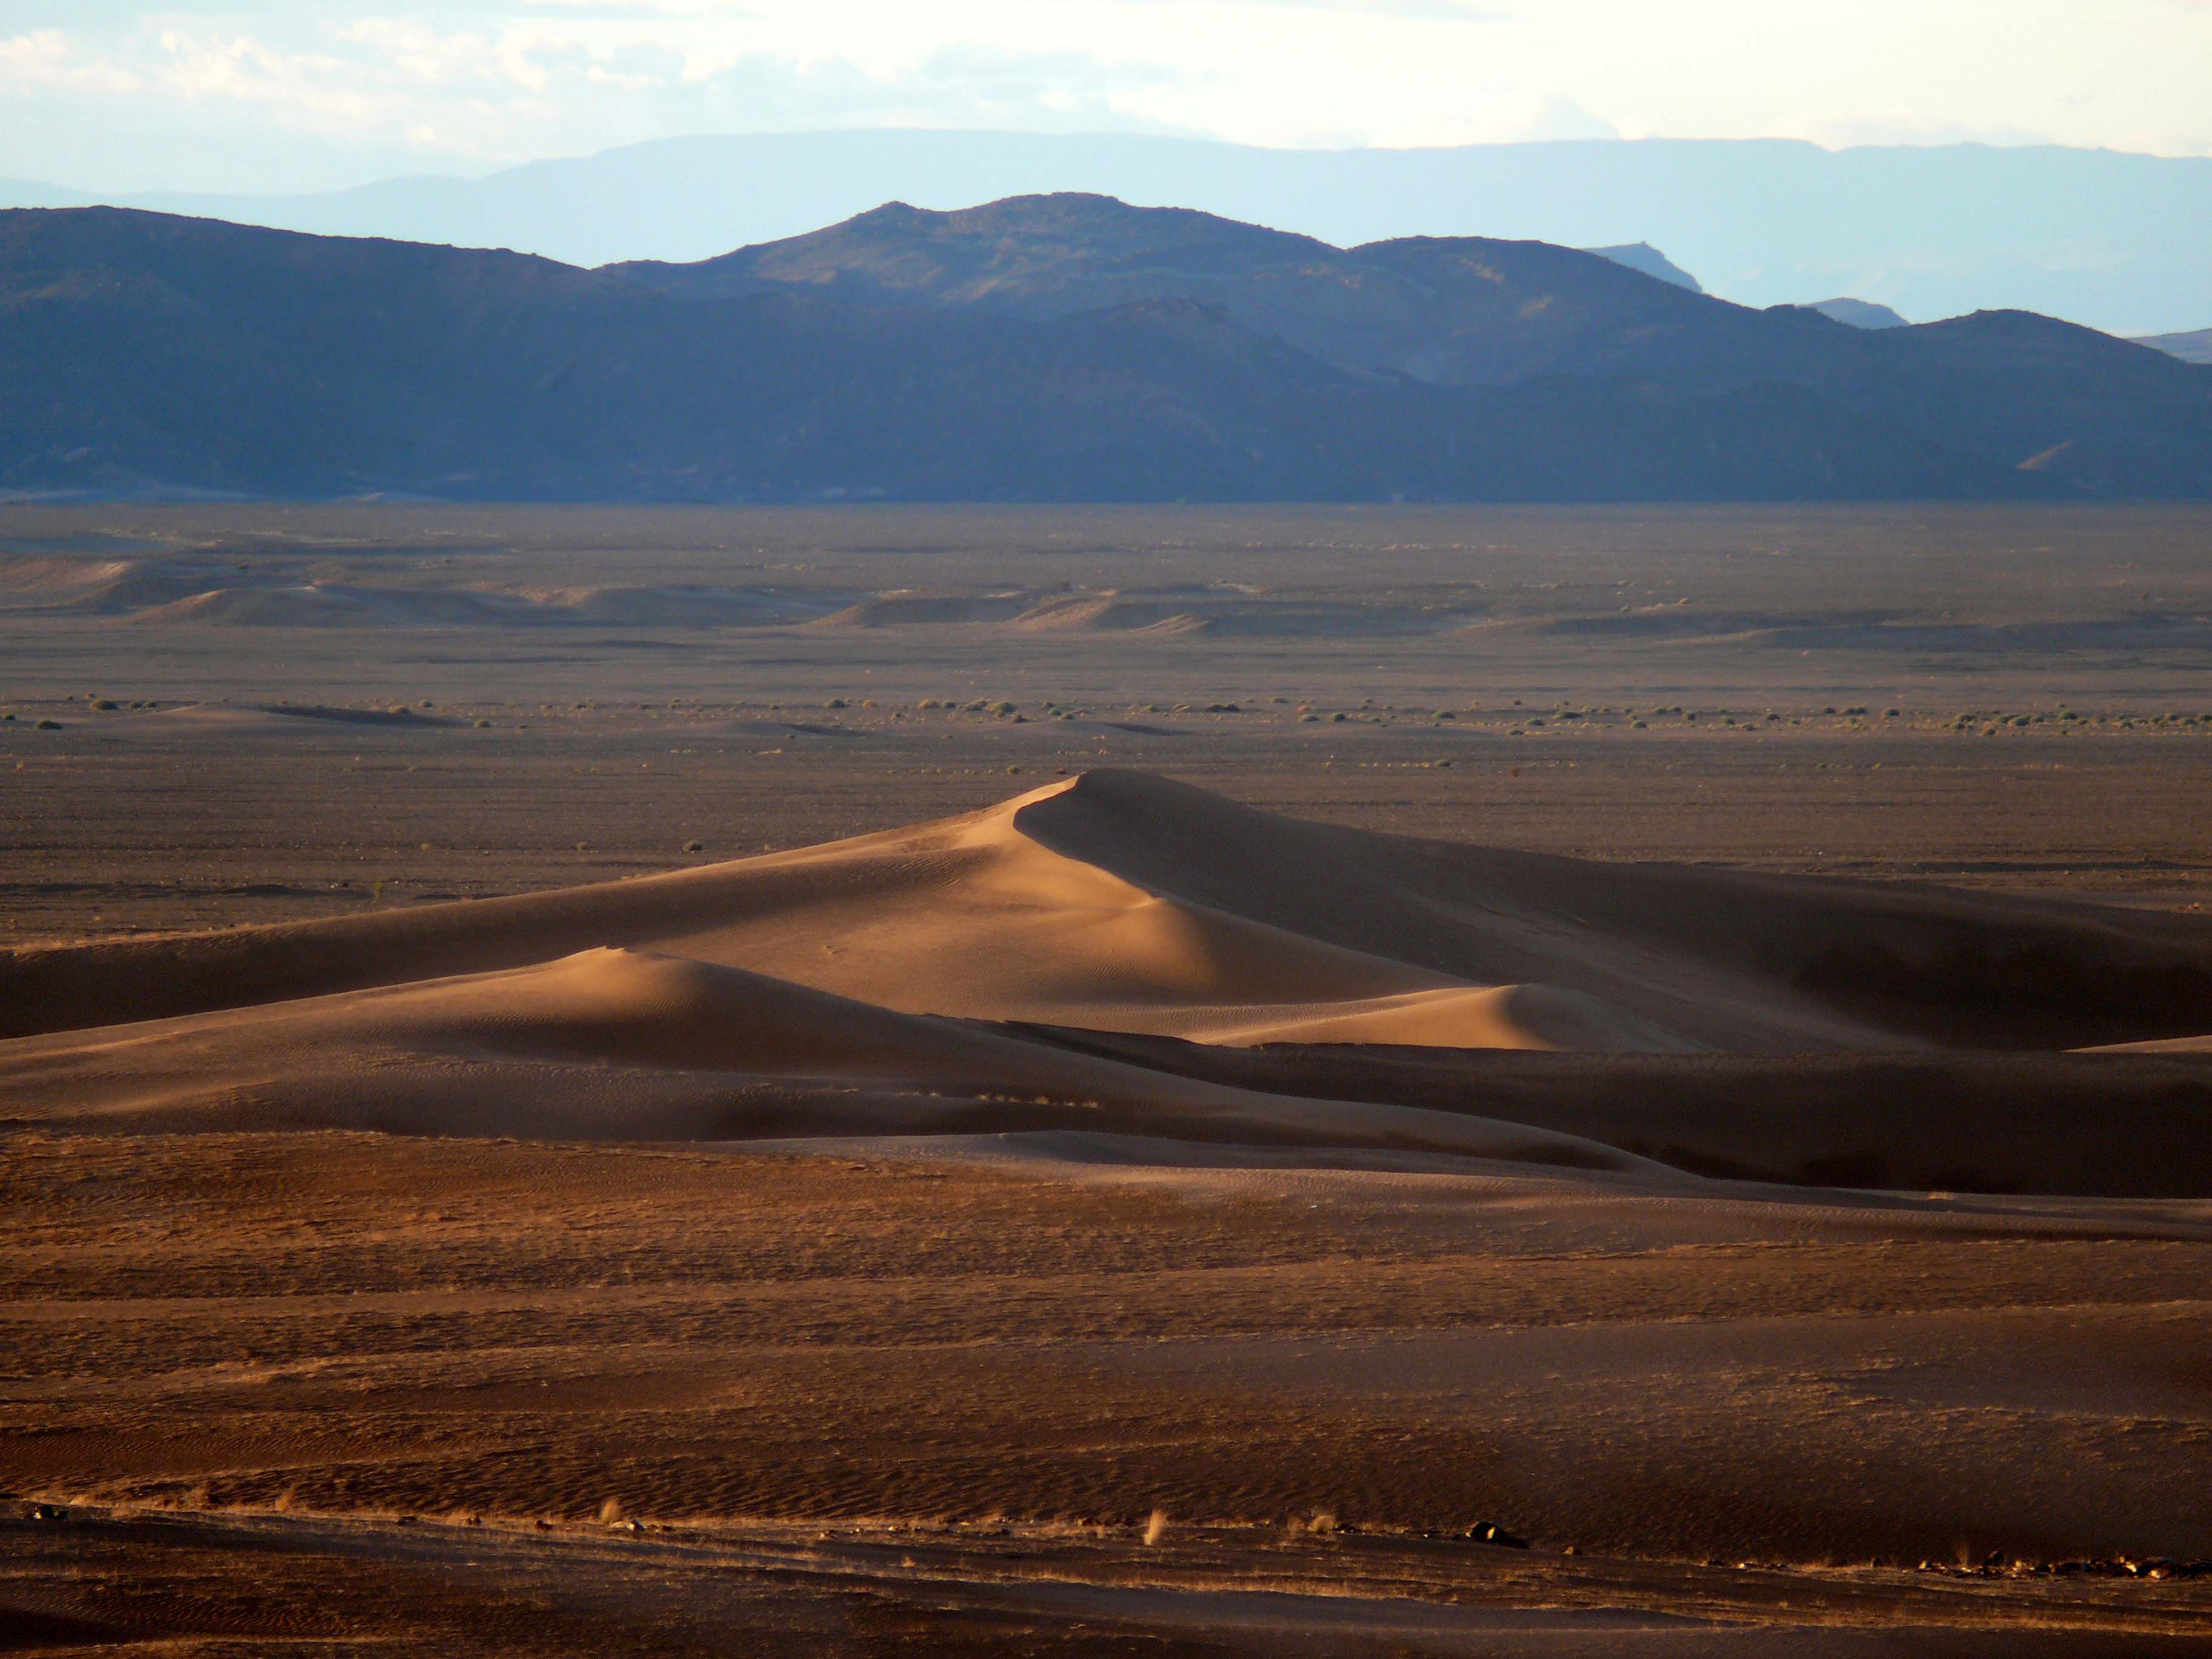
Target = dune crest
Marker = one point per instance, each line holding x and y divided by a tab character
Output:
1123	902
940	979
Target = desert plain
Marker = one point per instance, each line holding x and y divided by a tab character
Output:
1133	1080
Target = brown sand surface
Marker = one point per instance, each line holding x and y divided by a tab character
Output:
1769	1153
1041	1342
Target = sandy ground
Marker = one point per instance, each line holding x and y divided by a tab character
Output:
1763	1154
1025	1348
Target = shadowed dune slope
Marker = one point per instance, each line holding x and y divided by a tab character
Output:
1122	901
2119	1124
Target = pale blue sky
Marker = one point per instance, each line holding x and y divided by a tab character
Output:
289	94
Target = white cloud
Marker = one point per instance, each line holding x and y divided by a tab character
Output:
50	60
239	69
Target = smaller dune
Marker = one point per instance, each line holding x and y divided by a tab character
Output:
611	1044
59	580
1086	613
1182	623
100	586
315	604
691	606
912	610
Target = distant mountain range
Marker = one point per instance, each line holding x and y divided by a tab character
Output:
1062	347
2192	348
1642	256
1859	313
2120	242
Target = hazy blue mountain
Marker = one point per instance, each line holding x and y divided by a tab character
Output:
2120	242
2191	347
1462	310
1642	256
1859	313
1054	348
2004	387
27	193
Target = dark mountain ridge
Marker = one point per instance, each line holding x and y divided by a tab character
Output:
2121	242
1457	311
2003	388
1055	348
1454	310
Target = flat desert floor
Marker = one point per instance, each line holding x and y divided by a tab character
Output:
1105	1081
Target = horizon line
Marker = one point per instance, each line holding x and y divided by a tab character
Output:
97	195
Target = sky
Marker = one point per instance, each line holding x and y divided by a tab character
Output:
289	95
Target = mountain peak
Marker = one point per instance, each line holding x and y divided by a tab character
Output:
1859	313
1067	221
1642	256
1068	250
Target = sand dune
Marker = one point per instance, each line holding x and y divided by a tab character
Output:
327	604
612	1045
809	992
1083	612
1126	902
2116	1123
316	605
910	609
692	605
102	585
292	591
288	584
293	586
